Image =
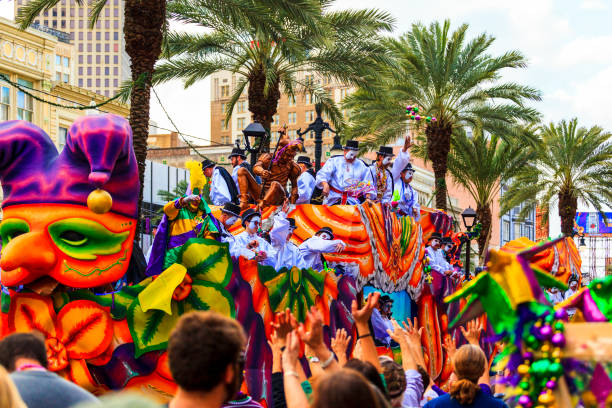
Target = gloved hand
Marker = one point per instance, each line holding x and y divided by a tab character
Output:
193	198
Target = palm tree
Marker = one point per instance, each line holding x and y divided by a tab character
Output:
571	163
144	26
481	164
447	77
342	45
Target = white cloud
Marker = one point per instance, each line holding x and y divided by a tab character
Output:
592	99
586	50
593	5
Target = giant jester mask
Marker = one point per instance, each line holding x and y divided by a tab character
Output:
67	218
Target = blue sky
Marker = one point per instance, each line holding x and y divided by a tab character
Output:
568	45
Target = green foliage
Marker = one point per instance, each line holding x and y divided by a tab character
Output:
340	45
448	76
567	159
178	191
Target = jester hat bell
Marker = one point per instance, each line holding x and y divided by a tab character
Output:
98	157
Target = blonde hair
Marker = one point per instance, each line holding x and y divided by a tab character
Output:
9	396
469	363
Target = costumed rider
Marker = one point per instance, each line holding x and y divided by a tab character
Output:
184	218
306	181
223	188
241	166
230	213
381	321
384	179
343	178
405	196
250	244
446	249
287	253
322	242
435	255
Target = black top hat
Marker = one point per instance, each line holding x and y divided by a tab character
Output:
351	145
207	163
435	235
291	222
447	240
248	214
232	209
236	151
385	299
385	151
326	229
408	168
304	160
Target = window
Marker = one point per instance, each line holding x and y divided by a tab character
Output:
309	99
58	76
98	47
116	35
241	107
115	12
224	108
106	47
310	116
107	59
72	23
224	91
309	79
224	126
81	23
97	82
89	71
517	230
292	134
107	82
80	59
89	59
115	71
292	117
25	103
241	123
116	24
276	119
529	232
115	83
516	210
505	231
291	100
89	47
107	26
97	68
58	61
81	82
98	35
89	36
66	61
66	78
89	82
61	137
5	102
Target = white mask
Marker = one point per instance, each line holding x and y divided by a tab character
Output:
254	223
325	236
408	177
230	221
386	161
351	155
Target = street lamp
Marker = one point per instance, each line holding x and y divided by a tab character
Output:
256	131
582	244
469	219
318	126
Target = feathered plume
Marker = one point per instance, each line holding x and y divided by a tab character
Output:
196	176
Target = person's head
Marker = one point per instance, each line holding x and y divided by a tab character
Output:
469	365
385	304
344	388
251	220
23	346
304	163
229	214
350	150
370	372
206	353
406	173
9	396
573	284
395	379
208	168
435	240
384	156
292	227
447	244
325	233
237	156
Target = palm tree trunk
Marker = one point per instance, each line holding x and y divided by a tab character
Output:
483	213
261	105
144	21
567	211
438	145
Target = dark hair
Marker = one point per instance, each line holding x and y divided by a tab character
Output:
344	388
424	376
370	372
469	363
23	345
395	377
201	347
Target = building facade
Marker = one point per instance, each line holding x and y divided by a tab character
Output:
30	59
101	61
512	227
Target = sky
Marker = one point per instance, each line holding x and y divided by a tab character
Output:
568	45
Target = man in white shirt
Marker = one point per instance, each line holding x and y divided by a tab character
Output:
230	213
306	181
573	289
322	242
383	179
341	176
222	187
287	253
251	245
406	197
433	252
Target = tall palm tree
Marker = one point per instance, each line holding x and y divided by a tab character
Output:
480	164
145	23
571	163
342	45
447	77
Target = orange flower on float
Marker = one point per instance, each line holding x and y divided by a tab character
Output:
82	330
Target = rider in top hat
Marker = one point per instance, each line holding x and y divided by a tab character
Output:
287	253
223	189
322	242
238	159
407	197
340	176
306	181
250	244
383	179
435	255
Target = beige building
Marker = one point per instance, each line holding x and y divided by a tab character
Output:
28	58
101	61
295	113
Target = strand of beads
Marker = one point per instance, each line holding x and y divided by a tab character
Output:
413	114
541	368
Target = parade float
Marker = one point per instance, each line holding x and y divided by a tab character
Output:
69	221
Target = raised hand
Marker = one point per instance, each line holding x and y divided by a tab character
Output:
292	351
472	334
285	324
362	316
339	344
397	334
449	346
314	337
413	334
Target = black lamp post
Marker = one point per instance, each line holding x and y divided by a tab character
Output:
469	219
318	126
256	131
582	244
